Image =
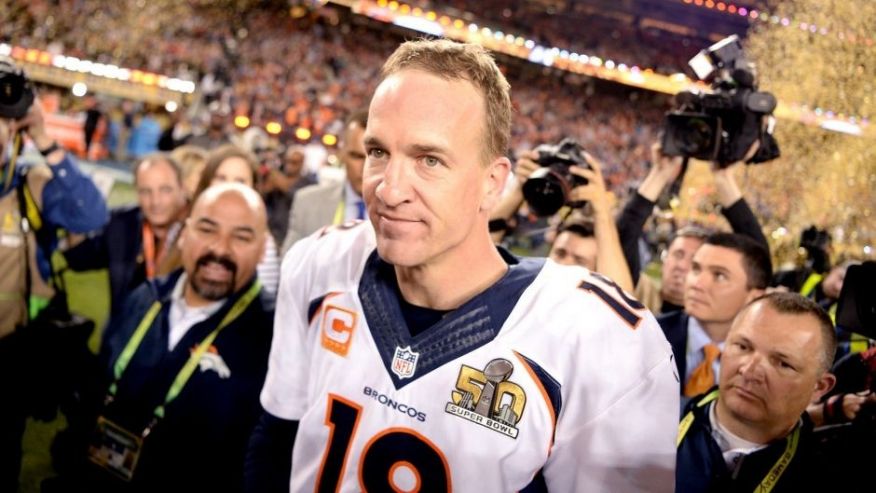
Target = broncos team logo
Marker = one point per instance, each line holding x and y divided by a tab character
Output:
488	398
212	360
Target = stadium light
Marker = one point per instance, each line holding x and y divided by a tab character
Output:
171	106
241	121
79	89
329	139
273	128
302	133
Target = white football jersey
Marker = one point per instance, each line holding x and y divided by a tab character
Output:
550	379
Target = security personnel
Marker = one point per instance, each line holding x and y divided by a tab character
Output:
751	432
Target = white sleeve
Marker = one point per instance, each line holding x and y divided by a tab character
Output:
286	382
628	446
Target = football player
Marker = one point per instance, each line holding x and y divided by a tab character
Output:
410	354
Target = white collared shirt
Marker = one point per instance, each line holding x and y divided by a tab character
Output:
733	448
697	338
182	316
351	203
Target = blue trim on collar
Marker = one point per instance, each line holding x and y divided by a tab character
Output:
472	325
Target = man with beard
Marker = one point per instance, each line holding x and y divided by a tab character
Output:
184	362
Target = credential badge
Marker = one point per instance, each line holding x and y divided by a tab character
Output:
404	363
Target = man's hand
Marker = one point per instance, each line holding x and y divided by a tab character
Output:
594	191
664	170
525	167
725	183
34	124
852	403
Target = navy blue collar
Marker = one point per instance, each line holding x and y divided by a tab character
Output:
460	331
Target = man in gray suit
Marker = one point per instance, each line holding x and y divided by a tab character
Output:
335	202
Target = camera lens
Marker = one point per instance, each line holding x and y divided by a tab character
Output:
697	136
544	192
16	93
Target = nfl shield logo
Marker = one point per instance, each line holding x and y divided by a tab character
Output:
404	363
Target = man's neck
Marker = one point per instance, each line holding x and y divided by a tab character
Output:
665	296
750	431
443	287
717	331
160	232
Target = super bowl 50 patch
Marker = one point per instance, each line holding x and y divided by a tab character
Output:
488	398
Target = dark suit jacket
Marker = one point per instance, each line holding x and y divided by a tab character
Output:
116	248
674	325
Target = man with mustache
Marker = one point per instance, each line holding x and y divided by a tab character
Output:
751	432
184	361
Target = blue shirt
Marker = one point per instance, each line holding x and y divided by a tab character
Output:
70	201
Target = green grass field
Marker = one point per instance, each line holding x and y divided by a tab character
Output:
89	296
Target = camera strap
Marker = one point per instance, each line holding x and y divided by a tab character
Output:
188	369
9	171
32	222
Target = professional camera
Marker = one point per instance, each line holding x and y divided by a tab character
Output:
16	91
721	126
547	189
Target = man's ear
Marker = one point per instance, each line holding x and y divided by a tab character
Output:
494	182
752	294
823	386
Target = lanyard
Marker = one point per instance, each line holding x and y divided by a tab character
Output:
340	212
149	250
189	368
775	473
684	426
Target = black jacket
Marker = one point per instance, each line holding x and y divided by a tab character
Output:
637	210
200	444
117	247
700	465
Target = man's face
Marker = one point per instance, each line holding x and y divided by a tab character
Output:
222	243
293	163
160	195
233	170
217	121
833	283
676	266
353	155
771	368
427	190
572	249
716	286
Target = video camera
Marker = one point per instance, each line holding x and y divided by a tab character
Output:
721	126
16	90
548	188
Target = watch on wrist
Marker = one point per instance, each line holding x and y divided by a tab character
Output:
48	150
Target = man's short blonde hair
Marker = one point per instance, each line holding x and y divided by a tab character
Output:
461	61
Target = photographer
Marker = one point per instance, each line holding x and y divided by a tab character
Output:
668	296
35	201
610	258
